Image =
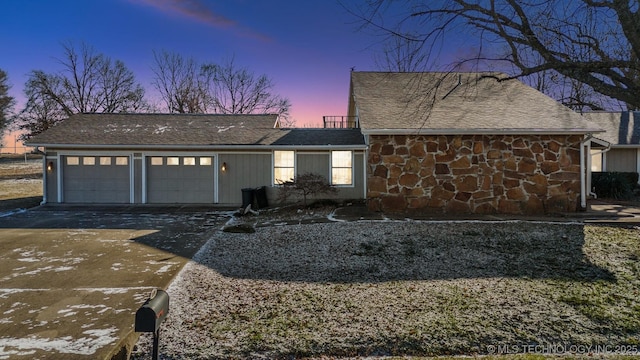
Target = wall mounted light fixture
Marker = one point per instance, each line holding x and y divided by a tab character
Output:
223	168
50	166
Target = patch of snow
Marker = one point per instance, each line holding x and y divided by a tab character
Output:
112	291
87	345
160	129
13	212
332	217
223	129
67	312
63	268
164	269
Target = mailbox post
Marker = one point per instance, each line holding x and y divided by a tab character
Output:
151	314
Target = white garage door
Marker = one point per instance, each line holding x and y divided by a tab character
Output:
180	180
96	179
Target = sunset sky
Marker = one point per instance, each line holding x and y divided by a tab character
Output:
307	47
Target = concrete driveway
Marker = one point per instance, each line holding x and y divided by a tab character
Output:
71	279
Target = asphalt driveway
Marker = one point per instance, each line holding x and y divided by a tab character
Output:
71	279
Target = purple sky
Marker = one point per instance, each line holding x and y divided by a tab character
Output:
307	47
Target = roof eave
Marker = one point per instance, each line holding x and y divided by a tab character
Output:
625	146
480	131
199	147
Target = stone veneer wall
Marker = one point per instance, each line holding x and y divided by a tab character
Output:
480	174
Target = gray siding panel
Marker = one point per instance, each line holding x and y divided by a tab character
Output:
313	163
357	190
243	171
52	181
137	180
623	160
319	163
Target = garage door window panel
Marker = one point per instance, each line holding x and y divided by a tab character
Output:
73	160
88	160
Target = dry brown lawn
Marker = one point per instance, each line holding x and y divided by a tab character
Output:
20	182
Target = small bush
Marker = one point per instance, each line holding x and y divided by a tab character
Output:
307	184
615	185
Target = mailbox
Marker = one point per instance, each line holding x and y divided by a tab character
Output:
153	312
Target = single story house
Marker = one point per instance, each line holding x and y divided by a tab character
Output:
190	159
469	143
425	142
621	151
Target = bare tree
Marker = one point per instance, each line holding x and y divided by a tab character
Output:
287	122
6	103
236	90
401	54
179	82
41	112
88	83
187	86
594	42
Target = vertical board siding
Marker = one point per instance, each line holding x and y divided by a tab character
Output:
137	180
52	180
313	163
243	171
622	160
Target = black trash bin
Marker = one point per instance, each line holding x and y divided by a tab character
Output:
261	197
247	197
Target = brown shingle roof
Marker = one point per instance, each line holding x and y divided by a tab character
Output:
457	102
161	129
180	130
622	128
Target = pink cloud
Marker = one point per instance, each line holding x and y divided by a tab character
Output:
195	9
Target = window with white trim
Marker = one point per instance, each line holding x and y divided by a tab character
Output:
283	166
341	167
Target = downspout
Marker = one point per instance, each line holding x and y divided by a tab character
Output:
583	184
45	176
